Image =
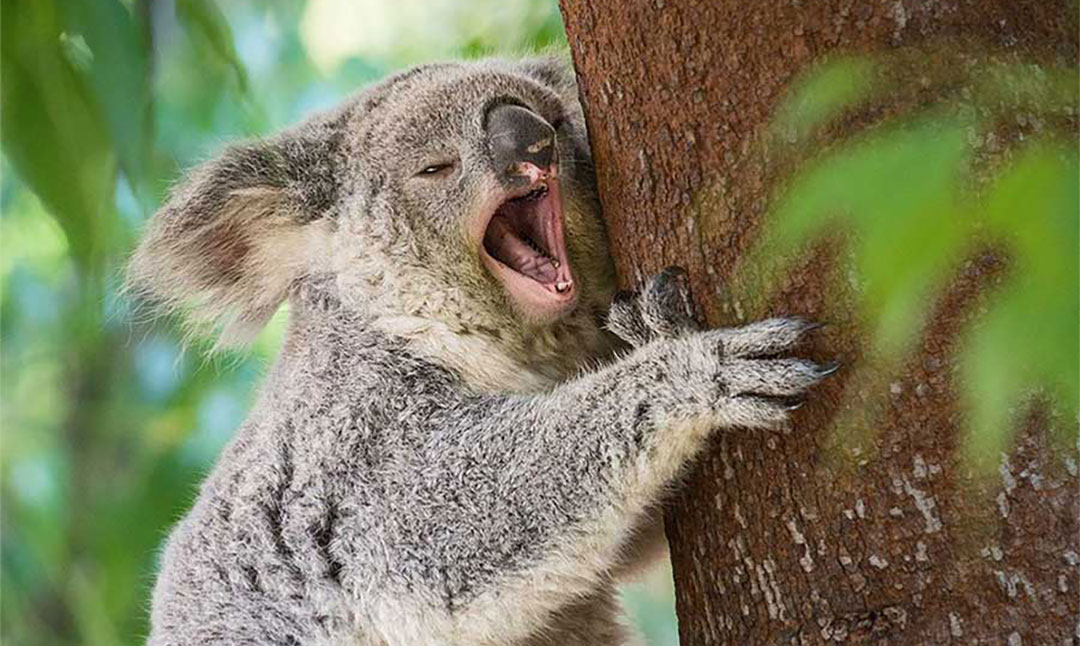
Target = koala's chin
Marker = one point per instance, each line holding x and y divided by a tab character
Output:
524	247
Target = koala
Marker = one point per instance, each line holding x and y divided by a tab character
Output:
466	434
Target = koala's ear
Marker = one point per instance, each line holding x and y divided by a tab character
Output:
240	230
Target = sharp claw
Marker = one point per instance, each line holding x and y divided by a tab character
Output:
827	369
794	405
810	326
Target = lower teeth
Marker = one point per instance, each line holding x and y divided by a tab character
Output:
535	247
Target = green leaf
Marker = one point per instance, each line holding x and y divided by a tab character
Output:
54	134
903	197
118	74
904	232
1027	342
205	18
823	94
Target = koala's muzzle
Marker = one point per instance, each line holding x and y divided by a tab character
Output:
523	244
516	135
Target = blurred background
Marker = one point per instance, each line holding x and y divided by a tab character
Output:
109	423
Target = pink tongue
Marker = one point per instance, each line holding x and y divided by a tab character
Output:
509	249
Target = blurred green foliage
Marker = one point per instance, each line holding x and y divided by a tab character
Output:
109	423
920	194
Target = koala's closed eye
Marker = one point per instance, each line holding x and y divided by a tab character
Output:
440	169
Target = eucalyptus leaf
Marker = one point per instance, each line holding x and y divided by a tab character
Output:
822	95
54	133
205	18
907	198
118	73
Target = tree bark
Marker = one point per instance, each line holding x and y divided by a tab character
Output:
773	539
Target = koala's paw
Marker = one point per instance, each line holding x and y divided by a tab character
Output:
661	309
758	388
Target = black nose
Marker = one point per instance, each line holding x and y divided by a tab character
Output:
517	135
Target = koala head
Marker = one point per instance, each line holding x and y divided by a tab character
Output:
460	193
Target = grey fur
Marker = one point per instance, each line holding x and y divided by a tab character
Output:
424	466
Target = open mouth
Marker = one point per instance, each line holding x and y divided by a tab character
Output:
524	247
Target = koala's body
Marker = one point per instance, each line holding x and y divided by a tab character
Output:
462	440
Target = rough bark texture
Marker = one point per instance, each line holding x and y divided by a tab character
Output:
812	537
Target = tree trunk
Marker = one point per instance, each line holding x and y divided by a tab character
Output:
773	539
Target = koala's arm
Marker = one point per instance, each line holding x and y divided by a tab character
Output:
519	504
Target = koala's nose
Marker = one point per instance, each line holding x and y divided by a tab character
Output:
517	135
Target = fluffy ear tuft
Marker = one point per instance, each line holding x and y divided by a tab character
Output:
242	229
